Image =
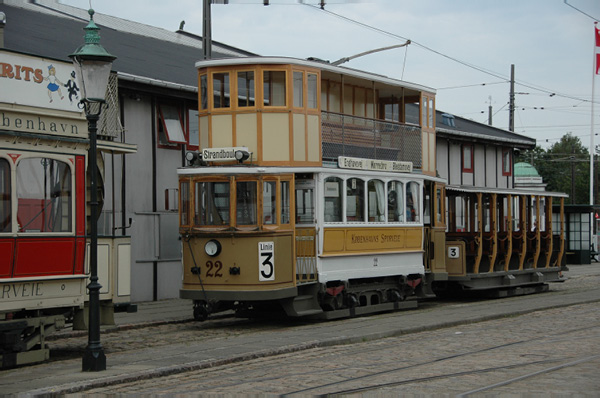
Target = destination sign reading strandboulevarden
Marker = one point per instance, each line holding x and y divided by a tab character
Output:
346	162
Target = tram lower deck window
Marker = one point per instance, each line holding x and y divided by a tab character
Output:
5	202
44	193
246	203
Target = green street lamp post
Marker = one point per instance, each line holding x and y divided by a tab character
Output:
92	65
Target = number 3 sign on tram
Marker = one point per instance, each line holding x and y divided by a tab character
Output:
266	261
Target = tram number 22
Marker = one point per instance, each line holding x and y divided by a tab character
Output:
214	270
266	261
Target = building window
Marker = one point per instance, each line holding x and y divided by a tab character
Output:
506	163
221	96
245	87
5	197
44	196
193	129
448	120
274	88
170	126
467	158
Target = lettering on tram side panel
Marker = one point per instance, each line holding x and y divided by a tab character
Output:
20	290
266	261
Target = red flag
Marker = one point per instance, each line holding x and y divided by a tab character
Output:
597	37
598	64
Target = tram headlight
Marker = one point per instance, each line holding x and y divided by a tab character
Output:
212	248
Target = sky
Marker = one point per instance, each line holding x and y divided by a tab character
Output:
462	48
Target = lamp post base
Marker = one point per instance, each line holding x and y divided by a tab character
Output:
93	360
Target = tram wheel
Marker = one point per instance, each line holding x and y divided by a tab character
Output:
201	313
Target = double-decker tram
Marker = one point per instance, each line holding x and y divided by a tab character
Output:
315	193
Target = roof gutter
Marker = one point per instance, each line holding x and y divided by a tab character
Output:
482	137
156	82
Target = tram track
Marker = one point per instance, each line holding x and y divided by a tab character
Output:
549	339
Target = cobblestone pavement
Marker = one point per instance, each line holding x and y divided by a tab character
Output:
551	351
483	339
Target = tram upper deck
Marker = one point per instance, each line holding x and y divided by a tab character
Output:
292	112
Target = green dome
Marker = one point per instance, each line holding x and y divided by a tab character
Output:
525	170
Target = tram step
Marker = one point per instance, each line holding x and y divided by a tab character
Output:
302	305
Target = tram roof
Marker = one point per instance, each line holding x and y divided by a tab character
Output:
326	67
504	191
246	170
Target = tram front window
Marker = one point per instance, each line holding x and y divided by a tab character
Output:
269	202
5	207
212	203
44	193
285	202
246	206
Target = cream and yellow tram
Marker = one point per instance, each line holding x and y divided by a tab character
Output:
314	194
308	191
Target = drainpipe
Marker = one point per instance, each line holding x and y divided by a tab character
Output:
2	23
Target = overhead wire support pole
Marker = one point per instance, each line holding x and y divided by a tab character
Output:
511	107
206	30
346	59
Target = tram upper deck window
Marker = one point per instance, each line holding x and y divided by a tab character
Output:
44	195
377	200
312	95
298	89
355	200
395	201
246	89
5	197
212	203
246	203
274	88
203	92
412	202
221	90
334	189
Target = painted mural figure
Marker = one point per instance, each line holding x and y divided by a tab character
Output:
72	87
53	83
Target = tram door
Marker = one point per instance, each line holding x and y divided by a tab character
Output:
306	233
435	228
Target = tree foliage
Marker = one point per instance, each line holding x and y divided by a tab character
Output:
565	167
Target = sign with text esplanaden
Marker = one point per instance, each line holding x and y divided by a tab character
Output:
345	162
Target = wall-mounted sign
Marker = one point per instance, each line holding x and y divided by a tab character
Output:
345	162
34	81
221	154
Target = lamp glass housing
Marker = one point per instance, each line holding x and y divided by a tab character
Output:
93	77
